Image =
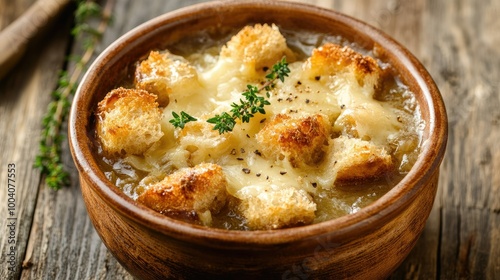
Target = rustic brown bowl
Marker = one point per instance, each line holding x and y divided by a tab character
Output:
369	244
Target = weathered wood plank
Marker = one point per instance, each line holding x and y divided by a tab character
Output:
464	63
493	268
24	95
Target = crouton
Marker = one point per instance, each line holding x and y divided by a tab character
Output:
300	140
332	59
359	160
128	120
164	73
277	208
259	46
193	189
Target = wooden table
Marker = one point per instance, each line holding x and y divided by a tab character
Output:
458	42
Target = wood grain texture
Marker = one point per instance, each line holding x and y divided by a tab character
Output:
14	39
458	43
464	60
23	96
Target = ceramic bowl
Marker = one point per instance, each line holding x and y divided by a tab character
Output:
369	244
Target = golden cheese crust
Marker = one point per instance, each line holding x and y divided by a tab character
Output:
358	160
301	140
162	73
128	120
257	46
199	189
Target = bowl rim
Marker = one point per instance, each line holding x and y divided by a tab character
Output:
375	214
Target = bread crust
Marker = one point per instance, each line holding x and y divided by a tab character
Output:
274	209
193	189
259	46
128	120
332	59
300	140
358	160
163	73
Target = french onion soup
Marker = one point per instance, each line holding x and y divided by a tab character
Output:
257	129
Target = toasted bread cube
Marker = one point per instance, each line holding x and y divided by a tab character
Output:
128	120
359	160
193	189
278	208
332	59
259	46
163	73
301	140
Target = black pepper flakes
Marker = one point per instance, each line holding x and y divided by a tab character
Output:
233	152
258	174
257	152
299	82
280	99
239	158
242	150
342	106
263	120
282	172
317	78
314	184
307	101
246	170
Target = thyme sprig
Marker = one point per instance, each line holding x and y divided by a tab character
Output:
49	158
251	104
182	119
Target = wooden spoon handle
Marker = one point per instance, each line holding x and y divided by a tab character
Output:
15	37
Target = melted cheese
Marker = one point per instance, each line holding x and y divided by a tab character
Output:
322	129
221	84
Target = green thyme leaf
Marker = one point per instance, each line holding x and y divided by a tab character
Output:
179	121
223	123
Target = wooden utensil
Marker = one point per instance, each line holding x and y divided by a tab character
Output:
15	38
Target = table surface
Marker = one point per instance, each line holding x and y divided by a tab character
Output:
457	41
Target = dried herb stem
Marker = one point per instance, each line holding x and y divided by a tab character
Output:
49	158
